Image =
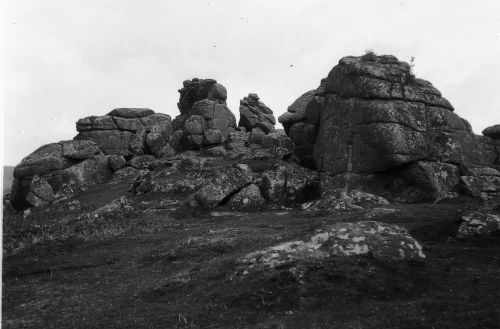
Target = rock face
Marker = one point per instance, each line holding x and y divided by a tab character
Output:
380	124
128	132
205	119
379	240
50	168
301	123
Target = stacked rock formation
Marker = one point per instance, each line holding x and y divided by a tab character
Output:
205	118
54	168
256	115
301	122
385	130
128	132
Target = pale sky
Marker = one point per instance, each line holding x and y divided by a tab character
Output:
65	60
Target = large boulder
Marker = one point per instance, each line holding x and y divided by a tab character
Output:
220	184
378	122
50	168
378	240
128	132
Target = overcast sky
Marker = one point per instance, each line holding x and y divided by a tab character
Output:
65	60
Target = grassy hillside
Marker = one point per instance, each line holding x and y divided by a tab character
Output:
7	178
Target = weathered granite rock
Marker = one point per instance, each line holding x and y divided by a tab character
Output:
130	112
492	132
301	123
289	184
75	163
479	223
40	192
128	131
198	89
249	198
253	112
116	162
333	201
375	239
377	122
220	184
205	119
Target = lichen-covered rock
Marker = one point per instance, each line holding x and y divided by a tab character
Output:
435	180
125	173
118	208
288	184
79	149
249	198
481	182
479	223
220	184
375	239
142	162
343	200
378	116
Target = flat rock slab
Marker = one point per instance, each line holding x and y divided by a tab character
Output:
377	239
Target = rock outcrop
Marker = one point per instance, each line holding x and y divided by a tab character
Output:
301	123
52	167
255	114
205	119
386	131
128	132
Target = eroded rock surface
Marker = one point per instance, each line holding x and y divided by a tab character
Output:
379	240
46	171
128	132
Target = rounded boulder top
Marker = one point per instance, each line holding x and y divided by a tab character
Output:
492	132
131	112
